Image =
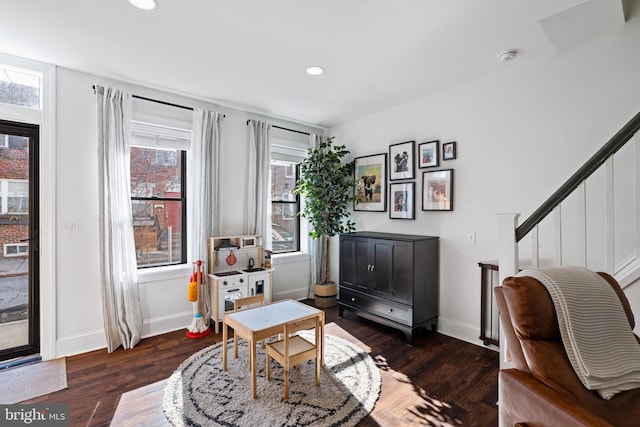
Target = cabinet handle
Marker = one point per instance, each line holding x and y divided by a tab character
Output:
391	310
373	267
353	299
368	267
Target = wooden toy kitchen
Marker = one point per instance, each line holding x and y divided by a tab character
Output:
238	267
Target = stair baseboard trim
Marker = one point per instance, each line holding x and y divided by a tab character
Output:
629	274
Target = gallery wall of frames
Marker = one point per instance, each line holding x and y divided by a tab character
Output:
389	179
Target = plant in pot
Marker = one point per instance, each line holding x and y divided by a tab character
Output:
326	184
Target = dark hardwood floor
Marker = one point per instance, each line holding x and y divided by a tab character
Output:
440	381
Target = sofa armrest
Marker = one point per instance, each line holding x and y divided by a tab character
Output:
525	400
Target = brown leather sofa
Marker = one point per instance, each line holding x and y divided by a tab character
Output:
542	389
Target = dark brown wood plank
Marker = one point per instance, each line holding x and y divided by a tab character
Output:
437	381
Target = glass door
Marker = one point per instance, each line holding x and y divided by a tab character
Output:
19	284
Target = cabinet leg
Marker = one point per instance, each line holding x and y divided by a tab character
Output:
340	311
409	336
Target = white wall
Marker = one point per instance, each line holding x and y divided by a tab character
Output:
162	293
519	137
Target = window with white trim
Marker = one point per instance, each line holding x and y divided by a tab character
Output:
16	249
20	87
158	171
287	151
14	196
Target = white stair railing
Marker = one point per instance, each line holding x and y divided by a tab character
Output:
627	269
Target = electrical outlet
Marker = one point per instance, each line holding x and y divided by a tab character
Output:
471	237
70	226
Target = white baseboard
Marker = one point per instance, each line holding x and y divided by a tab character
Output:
461	331
295	294
81	343
95	340
629	274
164	324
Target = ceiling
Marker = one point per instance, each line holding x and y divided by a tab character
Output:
252	54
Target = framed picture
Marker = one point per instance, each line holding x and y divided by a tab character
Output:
428	154
437	190
401	197
448	151
371	183
401	160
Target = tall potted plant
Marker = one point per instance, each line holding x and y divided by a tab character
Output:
326	184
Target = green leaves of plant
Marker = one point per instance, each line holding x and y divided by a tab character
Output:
326	184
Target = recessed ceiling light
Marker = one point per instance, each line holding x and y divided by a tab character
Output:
315	70
144	4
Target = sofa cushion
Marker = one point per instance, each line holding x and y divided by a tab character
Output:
595	329
623	298
532	313
550	366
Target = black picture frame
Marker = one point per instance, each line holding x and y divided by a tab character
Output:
448	151
402	200
428	154
401	160
437	190
370	173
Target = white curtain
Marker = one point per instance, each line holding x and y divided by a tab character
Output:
205	207
118	267
204	194
258	220
316	246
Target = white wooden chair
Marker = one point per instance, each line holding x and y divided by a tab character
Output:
293	350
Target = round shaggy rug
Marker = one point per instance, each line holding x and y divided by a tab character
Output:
200	393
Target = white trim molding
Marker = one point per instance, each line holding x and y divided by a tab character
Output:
46	119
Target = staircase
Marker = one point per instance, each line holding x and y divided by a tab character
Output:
592	220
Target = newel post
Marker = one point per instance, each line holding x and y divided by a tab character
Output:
507	262
508	247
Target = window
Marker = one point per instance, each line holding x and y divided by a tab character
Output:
14	196
285	224
16	249
288	149
15	142
20	87
158	194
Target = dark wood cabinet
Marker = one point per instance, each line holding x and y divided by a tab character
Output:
390	278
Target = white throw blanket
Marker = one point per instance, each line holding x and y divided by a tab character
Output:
594	327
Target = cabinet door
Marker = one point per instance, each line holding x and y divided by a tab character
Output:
392	270
354	263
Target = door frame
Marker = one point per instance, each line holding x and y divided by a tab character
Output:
46	119
31	131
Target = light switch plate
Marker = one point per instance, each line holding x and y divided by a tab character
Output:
471	237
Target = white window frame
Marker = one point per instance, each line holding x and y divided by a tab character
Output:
152	132
18	251
28	71
294	147
5	194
